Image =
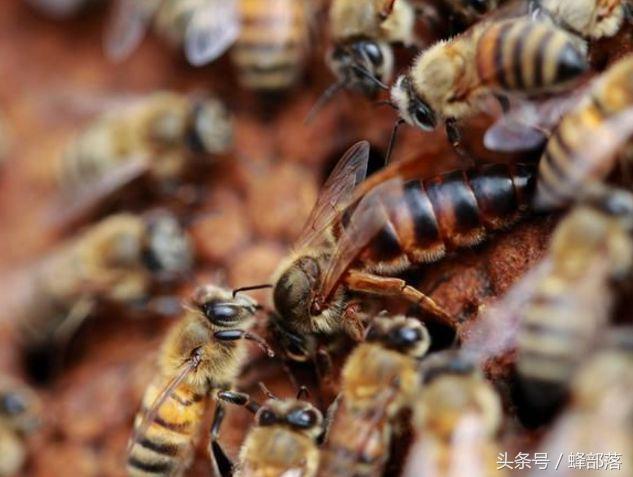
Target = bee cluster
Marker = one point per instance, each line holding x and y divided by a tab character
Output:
454	295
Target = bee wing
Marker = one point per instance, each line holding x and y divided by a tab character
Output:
213	28
69	210
152	412
528	125
337	191
594	158
496	329
365	222
127	25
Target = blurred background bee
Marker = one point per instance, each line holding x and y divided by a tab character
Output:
123	259
20	413
270	38
600	415
161	137
591	19
200	356
363	32
283	440
61	9
456	420
454	79
357	241
378	383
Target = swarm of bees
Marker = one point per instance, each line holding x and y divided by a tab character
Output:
379	388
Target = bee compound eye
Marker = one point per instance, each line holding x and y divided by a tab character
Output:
220	312
266	417
372	50
303	418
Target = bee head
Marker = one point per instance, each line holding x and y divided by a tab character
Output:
299	416
294	290
221	308
19	408
412	109
363	64
211	129
167	247
405	335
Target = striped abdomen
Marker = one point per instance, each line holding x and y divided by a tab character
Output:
454	210
563	169
527	56
270	51
166	447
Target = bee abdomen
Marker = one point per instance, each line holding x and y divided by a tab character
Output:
529	56
167	443
269	53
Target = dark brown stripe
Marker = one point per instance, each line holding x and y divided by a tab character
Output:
537	355
424	222
268	69
160	447
272	21
597	104
179	427
494	192
518	50
184	401
564	145
161	468
264	47
571	63
554	166
499	63
569	335
385	246
539	60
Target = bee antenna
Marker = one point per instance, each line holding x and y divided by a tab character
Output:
325	97
303	393
368	75
252	287
267	392
392	139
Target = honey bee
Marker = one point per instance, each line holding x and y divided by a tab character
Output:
118	259
283	441
356	246
598	419
160	136
379	380
20	411
584	146
591	19
269	38
363	32
456	420
200	356
452	79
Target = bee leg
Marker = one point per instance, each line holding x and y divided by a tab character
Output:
233	335
504	102
396	287
454	136
221	464
239	399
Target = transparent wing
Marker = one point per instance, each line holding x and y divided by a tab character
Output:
495	330
365	222
336	192
149	416
127	25
70	209
213	28
528	125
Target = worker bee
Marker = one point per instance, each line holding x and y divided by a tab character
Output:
355	246
363	32
159	136
20	411
598	419
119	259
200	356
379	380
592	19
456	420
269	37
283	441
452	79
584	146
